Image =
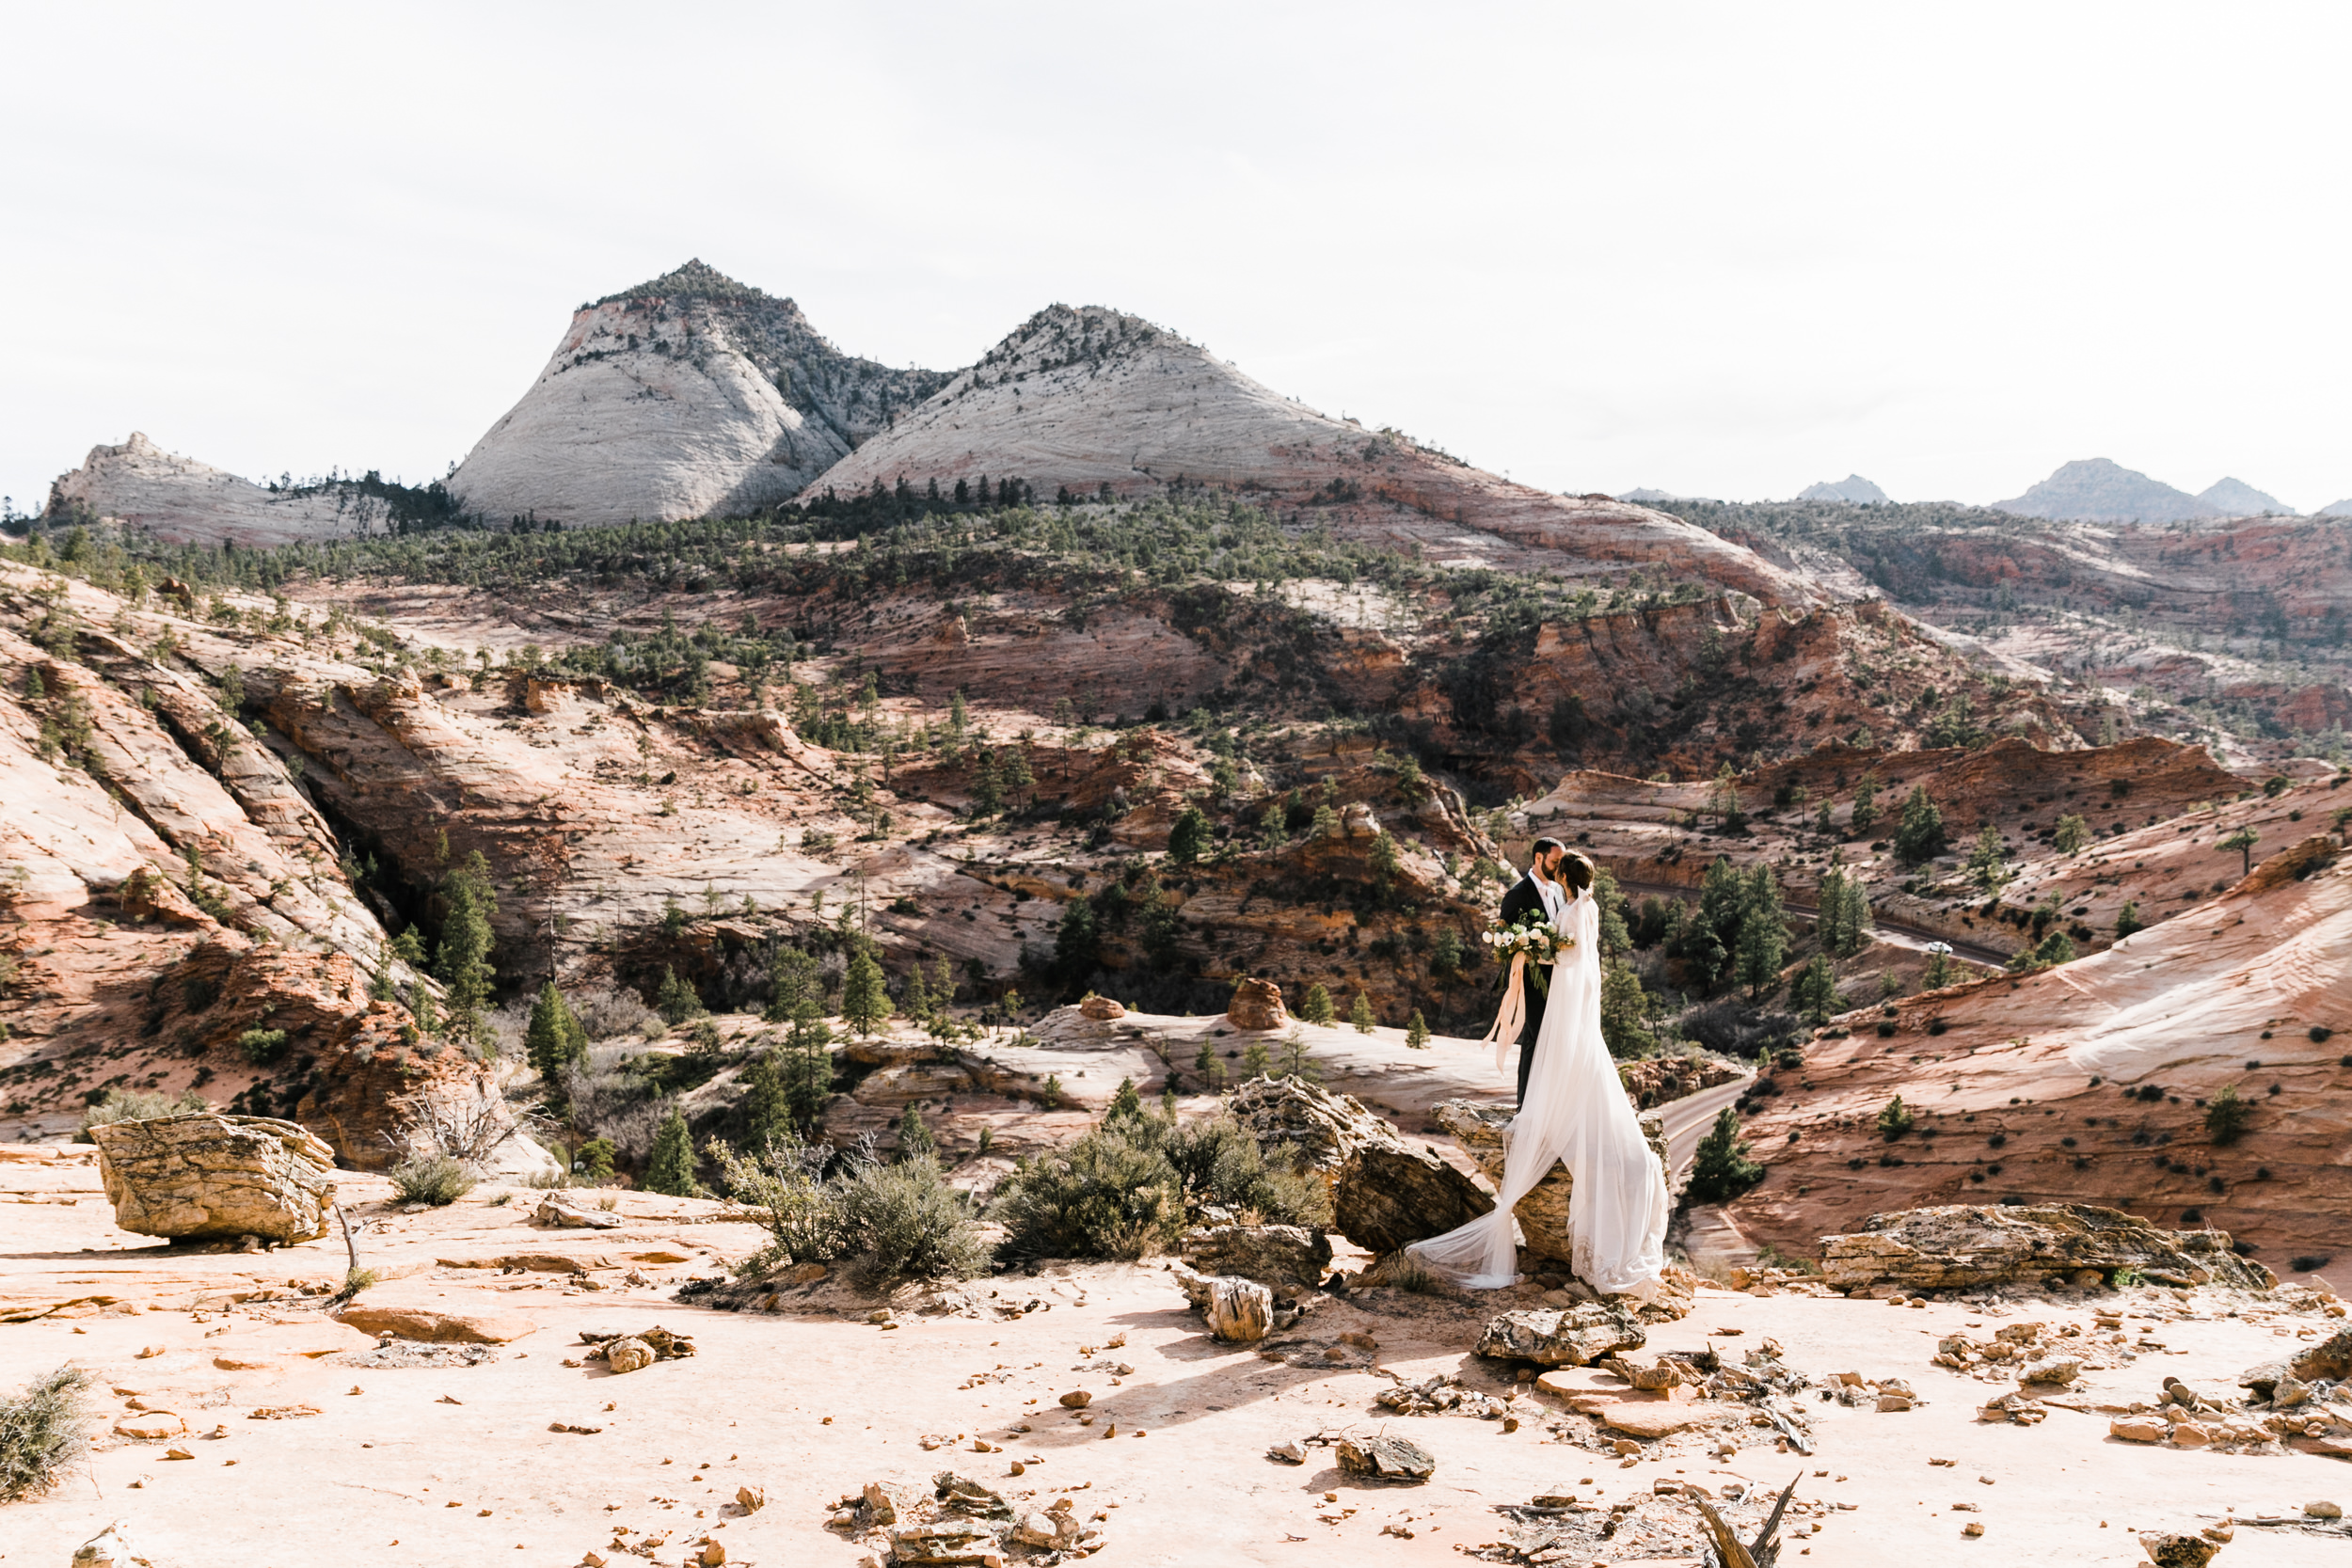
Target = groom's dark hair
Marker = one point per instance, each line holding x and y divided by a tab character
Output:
1535	850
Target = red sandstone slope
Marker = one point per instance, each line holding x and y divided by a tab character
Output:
2084	1083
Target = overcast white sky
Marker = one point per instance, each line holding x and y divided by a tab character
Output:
1723	249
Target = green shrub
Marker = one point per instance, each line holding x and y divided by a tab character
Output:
903	1220
1894	1120
136	1105
1417	1032
261	1046
2227	1117
1106	1195
41	1432
1316	1008
435	1179
786	1177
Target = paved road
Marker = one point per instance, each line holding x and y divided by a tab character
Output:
1687	1120
1893	933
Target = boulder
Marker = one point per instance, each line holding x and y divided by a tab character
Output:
1651	1418
435	1328
1318	1130
1102	1009
111	1547
568	1215
2179	1551
1257	1005
1562	1337
1269	1254
1381	1457
1389	1197
1543	1213
202	1176
948	1544
626	1354
2136	1429
2332	1358
1241	1311
1959	1245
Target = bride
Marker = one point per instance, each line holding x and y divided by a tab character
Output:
1575	1110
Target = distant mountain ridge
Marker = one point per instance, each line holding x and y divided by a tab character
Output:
1853	489
2097	489
2234	497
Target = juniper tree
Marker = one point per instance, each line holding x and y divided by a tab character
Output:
1188	838
1920	836
671	1170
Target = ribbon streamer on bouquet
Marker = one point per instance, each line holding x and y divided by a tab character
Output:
1513	1018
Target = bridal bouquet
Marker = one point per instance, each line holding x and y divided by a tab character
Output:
1531	935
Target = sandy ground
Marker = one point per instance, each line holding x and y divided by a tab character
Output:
453	1464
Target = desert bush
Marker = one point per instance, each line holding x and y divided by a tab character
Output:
2228	1116
603	1013
787	1179
260	1046
1106	1195
136	1105
41	1431
435	1179
903	1220
1218	1161
1408	1273
1894	1119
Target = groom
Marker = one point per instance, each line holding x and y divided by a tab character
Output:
1539	891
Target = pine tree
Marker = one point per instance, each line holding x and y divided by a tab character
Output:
865	1002
1720	1169
809	1069
1987	863
1624	1011
671	1171
1317	1007
915	999
1256	1061
1126	1105
914	1136
1615	941
674	1000
1325	823
988	788
1359	1014
1920	836
1814	991
1384	858
1077	944
554	1036
2073	833
464	959
767	1104
1865	804
1417	1032
1938	973
1763	933
2127	919
791	980
1188	838
1894	1119
1210	1067
428	1018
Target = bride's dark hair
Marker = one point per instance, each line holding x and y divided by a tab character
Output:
1575	870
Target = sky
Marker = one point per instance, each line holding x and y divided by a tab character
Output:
1716	249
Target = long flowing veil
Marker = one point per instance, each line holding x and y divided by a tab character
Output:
1575	1111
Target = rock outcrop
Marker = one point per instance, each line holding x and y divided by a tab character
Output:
1389	1197
1962	1245
1562	1337
1269	1254
1255	1005
183	501
687	396
1315	1129
1087	398
202	1177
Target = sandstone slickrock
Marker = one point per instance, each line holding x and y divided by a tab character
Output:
1389	1195
1382	1457
1255	1005
202	1176
1269	1254
1087	397
1966	1245
687	396
1318	1129
1562	1337
181	501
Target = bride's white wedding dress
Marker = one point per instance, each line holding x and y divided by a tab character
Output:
1575	1111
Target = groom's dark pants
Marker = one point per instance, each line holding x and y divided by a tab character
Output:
1528	1032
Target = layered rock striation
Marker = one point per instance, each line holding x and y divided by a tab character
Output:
183	501
687	396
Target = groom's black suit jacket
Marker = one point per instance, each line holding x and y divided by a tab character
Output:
1521	900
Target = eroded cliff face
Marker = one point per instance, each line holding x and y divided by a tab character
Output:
688	396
